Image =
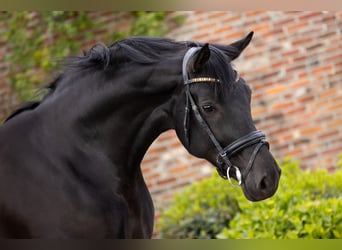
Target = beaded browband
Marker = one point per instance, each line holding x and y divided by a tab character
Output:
202	79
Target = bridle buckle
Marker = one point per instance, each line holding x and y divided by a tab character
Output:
223	154
238	176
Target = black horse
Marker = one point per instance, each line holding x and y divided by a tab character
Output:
70	163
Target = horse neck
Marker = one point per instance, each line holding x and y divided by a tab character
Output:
122	116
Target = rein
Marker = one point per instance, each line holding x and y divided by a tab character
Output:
222	159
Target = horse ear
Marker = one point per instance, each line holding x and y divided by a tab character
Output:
235	49
201	58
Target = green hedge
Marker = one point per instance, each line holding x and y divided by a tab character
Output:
306	205
196	211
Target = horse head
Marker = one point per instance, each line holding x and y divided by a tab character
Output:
213	119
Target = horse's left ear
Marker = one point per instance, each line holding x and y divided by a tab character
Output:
200	58
235	49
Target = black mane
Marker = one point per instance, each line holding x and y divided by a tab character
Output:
141	50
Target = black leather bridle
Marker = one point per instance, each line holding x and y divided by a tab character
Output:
224	164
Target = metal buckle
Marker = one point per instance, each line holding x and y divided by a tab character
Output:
220	157
223	154
237	174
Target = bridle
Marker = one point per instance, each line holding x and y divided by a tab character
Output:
224	154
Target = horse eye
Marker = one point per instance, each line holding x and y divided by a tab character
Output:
208	108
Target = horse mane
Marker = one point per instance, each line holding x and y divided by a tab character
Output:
141	50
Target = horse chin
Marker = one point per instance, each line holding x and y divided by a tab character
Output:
250	196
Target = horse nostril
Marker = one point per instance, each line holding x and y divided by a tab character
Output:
263	183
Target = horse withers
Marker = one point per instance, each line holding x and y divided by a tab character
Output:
70	163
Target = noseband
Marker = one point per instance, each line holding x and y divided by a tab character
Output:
224	164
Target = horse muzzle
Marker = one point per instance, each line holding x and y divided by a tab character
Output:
261	182
260	176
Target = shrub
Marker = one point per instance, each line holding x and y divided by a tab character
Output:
306	205
200	211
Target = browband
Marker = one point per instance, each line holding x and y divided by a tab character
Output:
201	79
186	59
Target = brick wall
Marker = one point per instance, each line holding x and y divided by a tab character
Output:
293	65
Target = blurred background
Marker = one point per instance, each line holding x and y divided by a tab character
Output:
293	65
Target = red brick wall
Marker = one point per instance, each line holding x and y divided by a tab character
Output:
293	65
